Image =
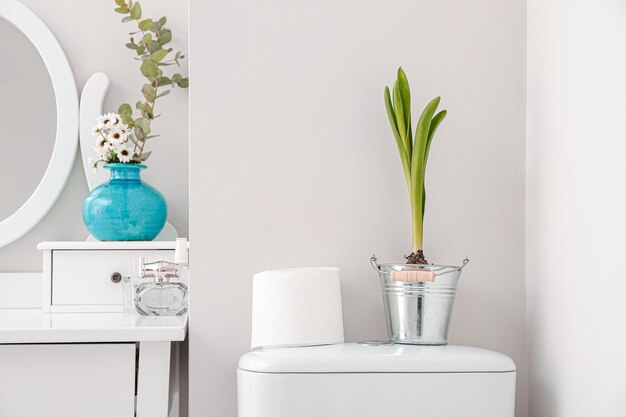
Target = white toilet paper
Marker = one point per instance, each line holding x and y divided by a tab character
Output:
296	307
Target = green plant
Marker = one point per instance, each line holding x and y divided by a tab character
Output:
413	150
114	130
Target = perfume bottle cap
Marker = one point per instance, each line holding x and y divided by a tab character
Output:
161	271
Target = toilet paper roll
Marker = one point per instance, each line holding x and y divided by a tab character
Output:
296	307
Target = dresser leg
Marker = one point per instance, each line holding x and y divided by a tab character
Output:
153	379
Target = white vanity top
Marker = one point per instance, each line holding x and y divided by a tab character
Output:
34	326
112	245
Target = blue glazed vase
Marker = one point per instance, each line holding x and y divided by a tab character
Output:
124	208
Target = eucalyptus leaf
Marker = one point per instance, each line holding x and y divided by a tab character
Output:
165	36
131	45
143	124
154	46
145	155
149	92
135	11
124	109
149	69
184	83
159	55
145	39
164	81
145	24
155	27
122	9
162	20
127	19
120	2
164	93
128	121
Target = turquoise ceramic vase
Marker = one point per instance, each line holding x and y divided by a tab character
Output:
124	208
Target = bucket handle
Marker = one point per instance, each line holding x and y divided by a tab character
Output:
376	267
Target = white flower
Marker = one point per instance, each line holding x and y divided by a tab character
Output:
95	130
102	145
116	119
108	120
117	136
123	128
107	156
93	164
124	153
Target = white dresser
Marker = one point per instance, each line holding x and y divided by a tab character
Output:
82	354
89	364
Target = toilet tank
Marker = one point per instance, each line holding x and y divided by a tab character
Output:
363	380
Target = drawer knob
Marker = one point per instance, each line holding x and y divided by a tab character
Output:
116	277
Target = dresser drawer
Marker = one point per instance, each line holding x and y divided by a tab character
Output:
81	279
67	380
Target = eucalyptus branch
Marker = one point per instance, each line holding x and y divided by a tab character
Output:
152	51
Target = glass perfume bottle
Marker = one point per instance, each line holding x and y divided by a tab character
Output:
159	291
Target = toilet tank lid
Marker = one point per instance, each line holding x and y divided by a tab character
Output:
354	357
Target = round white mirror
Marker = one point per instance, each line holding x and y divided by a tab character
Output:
39	132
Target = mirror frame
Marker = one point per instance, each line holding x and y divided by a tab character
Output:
66	141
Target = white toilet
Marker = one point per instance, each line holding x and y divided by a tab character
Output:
344	380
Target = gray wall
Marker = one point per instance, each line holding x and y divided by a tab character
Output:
576	204
93	38
293	164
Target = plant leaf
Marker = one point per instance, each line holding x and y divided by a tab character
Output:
165	37
154	46
145	24
149	92
125	110
127	19
421	139
145	39
143	124
120	2
392	121
399	111
159	55
122	9
434	124
149	69
164	81
418	170
164	93
145	155
405	94
135	11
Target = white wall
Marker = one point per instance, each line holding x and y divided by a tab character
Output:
576	201
93	38
293	164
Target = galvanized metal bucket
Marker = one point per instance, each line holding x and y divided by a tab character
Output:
418	300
